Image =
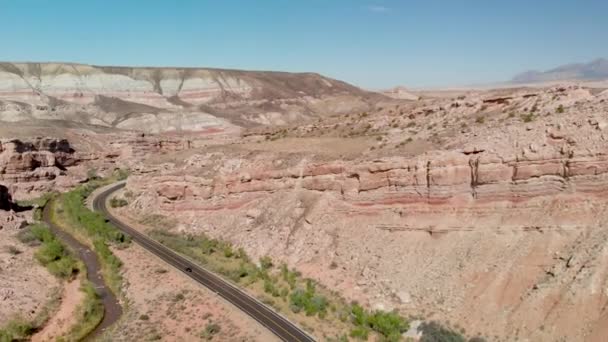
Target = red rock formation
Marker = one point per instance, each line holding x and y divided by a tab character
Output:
430	179
35	166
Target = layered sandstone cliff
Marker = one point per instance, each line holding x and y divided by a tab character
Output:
497	225
38	165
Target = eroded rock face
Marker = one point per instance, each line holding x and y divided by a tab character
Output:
484	237
37	165
430	179
169	99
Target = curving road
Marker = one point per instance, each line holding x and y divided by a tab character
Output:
278	325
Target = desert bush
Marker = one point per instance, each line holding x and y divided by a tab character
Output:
52	254
480	120
435	332
527	117
388	324
26	237
210	331
16	330
308	301
94	224
121	174
118	202
89	314
360	333
266	262
560	109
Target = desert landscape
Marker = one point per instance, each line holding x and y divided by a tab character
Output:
469	214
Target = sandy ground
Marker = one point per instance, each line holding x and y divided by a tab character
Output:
164	304
63	319
25	286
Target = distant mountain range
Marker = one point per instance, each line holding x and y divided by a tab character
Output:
592	71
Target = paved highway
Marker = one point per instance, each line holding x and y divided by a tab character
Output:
278	325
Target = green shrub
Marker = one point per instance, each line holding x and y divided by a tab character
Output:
388	324
266	262
527	117
228	252
16	330
308	301
480	120
210	331
241	254
121	174
360	333
560	109
118	202
435	332
89	314
94	224
52	253
26	237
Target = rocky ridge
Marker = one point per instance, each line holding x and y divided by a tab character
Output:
169	99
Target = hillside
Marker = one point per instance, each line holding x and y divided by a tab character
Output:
169	99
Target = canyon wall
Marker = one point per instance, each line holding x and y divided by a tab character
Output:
501	244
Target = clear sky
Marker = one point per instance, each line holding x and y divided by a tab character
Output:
373	44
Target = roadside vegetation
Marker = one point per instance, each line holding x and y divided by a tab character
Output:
17	329
88	315
52	253
287	290
118	202
60	262
71	214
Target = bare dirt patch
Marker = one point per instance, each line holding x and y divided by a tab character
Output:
166	305
25	285
64	318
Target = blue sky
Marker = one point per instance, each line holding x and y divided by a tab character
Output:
373	44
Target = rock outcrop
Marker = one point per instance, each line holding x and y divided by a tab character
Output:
8	218
440	178
35	166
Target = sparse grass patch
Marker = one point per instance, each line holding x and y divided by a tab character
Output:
17	329
528	117
210	331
